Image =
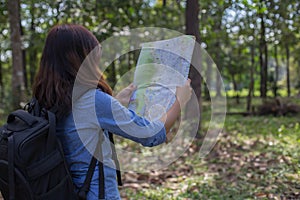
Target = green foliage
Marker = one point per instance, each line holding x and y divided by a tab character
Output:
228	30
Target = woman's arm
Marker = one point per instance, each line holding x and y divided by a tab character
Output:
183	95
127	124
116	118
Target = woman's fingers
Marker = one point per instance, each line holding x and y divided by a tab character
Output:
184	93
124	95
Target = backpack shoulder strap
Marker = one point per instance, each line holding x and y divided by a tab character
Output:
101	177
115	158
11	168
82	193
51	142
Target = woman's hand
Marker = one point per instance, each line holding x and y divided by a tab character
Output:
124	95
184	93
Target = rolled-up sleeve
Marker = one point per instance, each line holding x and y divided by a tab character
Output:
116	118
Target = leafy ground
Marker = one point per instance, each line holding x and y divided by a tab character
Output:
255	158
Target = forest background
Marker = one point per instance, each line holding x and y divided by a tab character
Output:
255	45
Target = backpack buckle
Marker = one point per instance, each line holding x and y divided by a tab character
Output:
4	134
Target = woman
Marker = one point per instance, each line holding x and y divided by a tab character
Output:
65	51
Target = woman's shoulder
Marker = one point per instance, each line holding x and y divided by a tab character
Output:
91	96
101	96
96	93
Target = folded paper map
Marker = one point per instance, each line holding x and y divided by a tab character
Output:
162	65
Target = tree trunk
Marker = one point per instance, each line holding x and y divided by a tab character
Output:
208	76
33	50
23	59
216	51
219	65
113	74
218	86
266	66
129	60
288	69
275	87
192	28
33	64
17	62
25	70
235	88
164	3
262	57
1	84
56	17
251	85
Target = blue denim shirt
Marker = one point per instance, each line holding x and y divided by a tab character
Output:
79	134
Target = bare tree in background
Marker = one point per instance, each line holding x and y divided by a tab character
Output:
18	88
192	28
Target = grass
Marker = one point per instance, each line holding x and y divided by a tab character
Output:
255	158
282	92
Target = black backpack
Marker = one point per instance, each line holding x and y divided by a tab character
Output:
32	163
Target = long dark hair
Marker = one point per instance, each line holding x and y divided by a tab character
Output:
65	50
